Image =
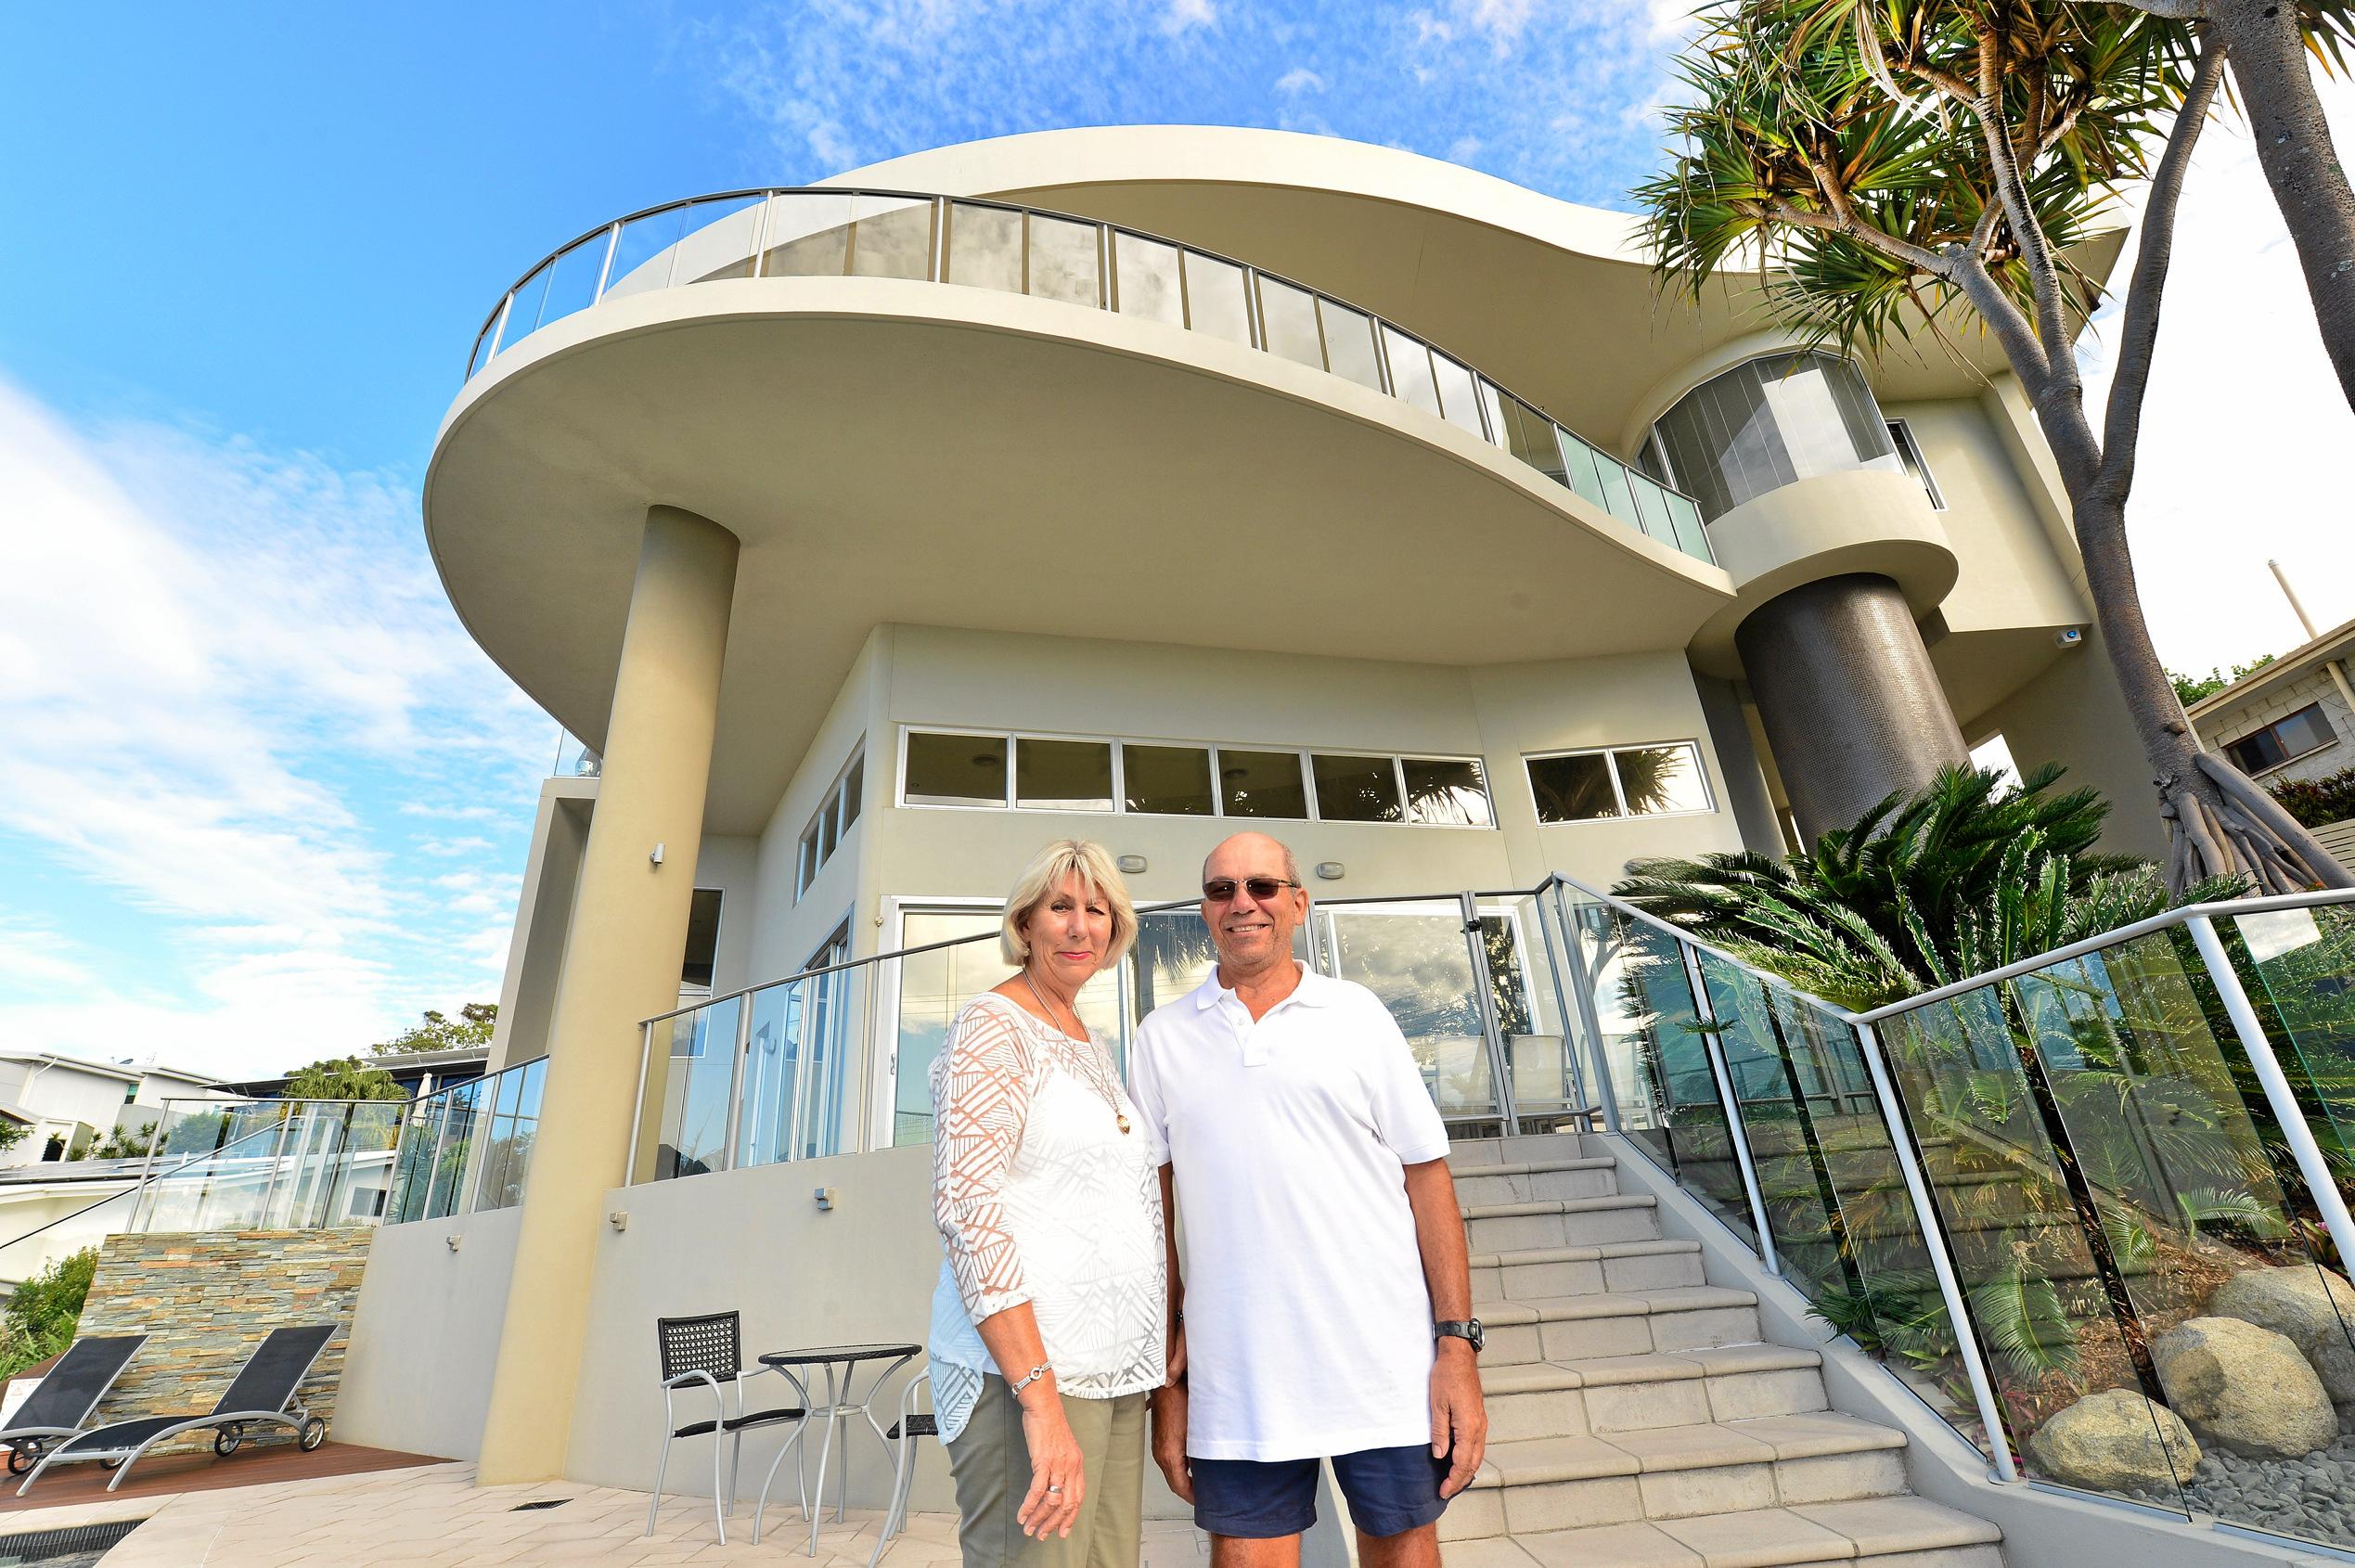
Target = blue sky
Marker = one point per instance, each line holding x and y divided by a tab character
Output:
260	800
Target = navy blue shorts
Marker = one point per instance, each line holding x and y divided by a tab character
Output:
1389	1491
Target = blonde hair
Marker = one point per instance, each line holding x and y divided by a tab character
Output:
1092	864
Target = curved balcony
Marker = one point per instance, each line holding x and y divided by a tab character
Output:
1092	265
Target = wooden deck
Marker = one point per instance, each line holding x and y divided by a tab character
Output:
169	1475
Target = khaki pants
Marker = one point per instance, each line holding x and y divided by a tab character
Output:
991	1465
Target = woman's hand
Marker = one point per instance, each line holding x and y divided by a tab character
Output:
1175	1360
1057	1479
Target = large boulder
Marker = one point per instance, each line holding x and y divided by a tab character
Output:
2313	1308
2244	1388
2114	1441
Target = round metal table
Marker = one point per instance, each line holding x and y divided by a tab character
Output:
840	1364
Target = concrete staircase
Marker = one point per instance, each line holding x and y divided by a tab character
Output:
1635	1419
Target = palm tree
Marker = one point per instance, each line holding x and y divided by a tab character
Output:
1923	161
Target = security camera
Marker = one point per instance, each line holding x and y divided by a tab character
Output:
2068	637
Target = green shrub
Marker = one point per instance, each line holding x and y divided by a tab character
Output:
2316	802
39	1320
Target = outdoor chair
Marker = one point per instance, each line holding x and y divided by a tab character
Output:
912	1424
261	1393
68	1391
709	1350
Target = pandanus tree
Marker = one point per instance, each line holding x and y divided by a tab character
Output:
2269	42
1927	167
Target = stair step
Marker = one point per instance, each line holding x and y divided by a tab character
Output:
1926	1534
1678	1472
1521	1181
1569	1271
1465	1154
1560	1222
1609	1323
1604	1395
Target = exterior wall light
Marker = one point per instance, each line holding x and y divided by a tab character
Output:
451	1240
1131	865
2068	637
1332	870
825	1196
655	858
619	1219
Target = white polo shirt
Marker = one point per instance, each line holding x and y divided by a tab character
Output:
1307	1320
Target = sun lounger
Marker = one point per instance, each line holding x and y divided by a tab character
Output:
68	1391
261	1393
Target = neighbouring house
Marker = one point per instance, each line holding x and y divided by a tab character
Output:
69	1103
418	1073
2291	719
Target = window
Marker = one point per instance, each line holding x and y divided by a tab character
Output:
702	941
2283	740
830	825
1901	437
1627	782
1172	778
1167	781
1771	422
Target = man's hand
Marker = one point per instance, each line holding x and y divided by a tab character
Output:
1169	1439
1458	1416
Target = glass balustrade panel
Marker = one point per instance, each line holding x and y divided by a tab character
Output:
1618	498
691	1065
573	285
446	1185
986	247
1064	262
1685	517
1218	300
1459	394
2204	1225
2298	968
1652	508
774	1083
2059	1336
892	236
1492	412
645	252
1146	274
1288	323
1582	469
1538	1015
806	234
1414	956
718	239
1411	380
523	308
482	344
1349	343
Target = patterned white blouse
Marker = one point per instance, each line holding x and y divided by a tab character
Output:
1041	1198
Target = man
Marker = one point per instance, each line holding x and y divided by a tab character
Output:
1331	1309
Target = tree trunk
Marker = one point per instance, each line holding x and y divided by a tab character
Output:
2213	835
2270	65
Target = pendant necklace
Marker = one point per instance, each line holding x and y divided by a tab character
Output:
1118	1114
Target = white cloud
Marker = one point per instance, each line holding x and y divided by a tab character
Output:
1181	15
1299	79
220	669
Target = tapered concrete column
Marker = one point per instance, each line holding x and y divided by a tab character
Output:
1851	705
621	965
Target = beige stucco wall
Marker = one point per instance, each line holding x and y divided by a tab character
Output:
2009	572
425	1335
730	863
2073	713
543	921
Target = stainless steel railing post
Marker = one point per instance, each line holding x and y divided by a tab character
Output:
1570	1023
1483	997
1713	1046
1958	1307
2278	1093
1582	985
638	1104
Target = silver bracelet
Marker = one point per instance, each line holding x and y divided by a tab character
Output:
1029	1377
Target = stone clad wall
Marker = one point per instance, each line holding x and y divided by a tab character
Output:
205	1299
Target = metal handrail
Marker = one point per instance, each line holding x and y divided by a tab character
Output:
493	338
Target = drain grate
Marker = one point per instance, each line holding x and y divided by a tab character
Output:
83	1543
544	1502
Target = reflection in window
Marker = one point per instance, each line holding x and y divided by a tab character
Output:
1356	789
1629	781
1769	423
1166	780
1261	783
1063	774
986	247
1147	272
934	987
830	825
1411	378
1446	792
702	940
1459	397
1421	965
955	769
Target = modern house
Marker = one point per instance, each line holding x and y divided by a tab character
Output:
67	1103
418	1073
1141	484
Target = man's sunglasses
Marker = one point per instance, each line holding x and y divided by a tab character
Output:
1222	890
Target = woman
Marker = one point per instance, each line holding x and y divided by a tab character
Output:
1047	1319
